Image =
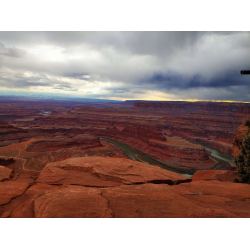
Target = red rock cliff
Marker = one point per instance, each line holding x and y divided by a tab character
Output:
97	187
195	106
144	133
240	134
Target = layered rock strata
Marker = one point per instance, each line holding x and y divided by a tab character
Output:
172	151
5	173
96	187
213	124
82	142
238	139
195	106
143	133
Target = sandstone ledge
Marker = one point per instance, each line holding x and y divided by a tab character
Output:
97	187
199	199
220	175
105	172
5	173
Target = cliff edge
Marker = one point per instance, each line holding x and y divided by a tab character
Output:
99	187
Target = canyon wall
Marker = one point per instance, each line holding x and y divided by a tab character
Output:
240	134
194	106
153	128
175	152
143	133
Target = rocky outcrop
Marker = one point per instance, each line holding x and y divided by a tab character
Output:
226	196
132	190
11	189
34	154
5	126
5	173
102	172
194	106
240	134
72	202
220	175
82	142
10	134
244	110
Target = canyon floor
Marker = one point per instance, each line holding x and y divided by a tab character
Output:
54	162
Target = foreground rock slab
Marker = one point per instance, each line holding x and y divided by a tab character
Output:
132	201
156	201
5	173
10	190
105	172
220	175
238	139
231	197
47	201
122	189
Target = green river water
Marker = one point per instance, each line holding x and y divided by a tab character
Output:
218	154
133	153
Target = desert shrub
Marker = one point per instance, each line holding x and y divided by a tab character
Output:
236	180
242	160
247	123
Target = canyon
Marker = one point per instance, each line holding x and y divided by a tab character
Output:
167	131
53	159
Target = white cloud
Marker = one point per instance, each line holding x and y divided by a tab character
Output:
123	64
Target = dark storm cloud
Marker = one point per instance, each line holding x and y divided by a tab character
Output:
21	83
126	90
81	76
135	42
175	80
159	43
168	80
64	86
122	63
234	93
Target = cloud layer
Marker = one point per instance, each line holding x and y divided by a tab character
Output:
127	65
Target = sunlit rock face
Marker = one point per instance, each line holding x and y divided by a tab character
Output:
97	187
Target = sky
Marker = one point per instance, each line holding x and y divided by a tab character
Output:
127	65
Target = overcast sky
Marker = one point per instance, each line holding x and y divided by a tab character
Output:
127	65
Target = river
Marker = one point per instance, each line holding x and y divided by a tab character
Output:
218	154
139	156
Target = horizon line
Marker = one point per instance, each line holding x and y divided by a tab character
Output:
112	100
